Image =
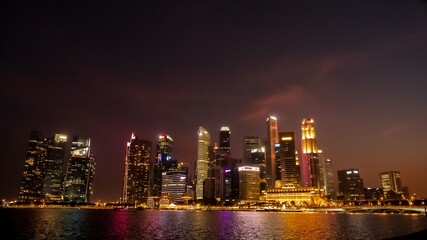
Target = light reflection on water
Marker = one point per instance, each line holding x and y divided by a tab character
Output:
151	224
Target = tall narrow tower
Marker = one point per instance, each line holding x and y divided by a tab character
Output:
310	161
78	185
53	184
285	154
202	165
273	138
164	162
137	171
34	169
224	141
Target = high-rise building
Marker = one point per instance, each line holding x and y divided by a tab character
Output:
223	165
391	182
136	182
249	183
250	143
289	172
328	178
174	184
224	141
33	176
164	162
258	160
78	186
209	183
350	185
202	164
54	179
272	138
310	173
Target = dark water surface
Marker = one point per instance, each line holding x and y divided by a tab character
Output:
151	224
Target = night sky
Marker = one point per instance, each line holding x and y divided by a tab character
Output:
107	69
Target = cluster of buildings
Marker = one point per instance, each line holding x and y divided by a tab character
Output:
47	178
271	170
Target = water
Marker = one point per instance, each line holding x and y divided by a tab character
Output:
152	224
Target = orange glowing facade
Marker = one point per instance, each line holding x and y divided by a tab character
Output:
310	174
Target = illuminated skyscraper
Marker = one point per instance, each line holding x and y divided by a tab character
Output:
285	157
54	179
329	178
391	182
224	142
273	138
202	165
137	171
310	175
350	185
222	161
31	189
258	160
78	186
164	162
249	183
250	143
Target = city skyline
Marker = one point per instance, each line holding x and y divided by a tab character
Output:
154	68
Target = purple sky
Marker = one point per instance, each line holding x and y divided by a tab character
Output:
107	70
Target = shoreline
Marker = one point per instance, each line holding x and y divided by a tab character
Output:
346	210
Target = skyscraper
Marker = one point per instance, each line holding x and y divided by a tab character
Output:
250	143
31	189
310	175
272	138
78	186
285	157
258	160
163	162
137	171
329	178
350	185
391	182
174	184
249	185
224	142
202	165
54	179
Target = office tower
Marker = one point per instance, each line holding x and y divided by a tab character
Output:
164	162
224	141
174	184
223	165
329	178
350	185
258	160
391	183
249	183
78	186
321	160
137	171
250	143
209	183
272	138
202	165
288	172
54	178
31	189
310	175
